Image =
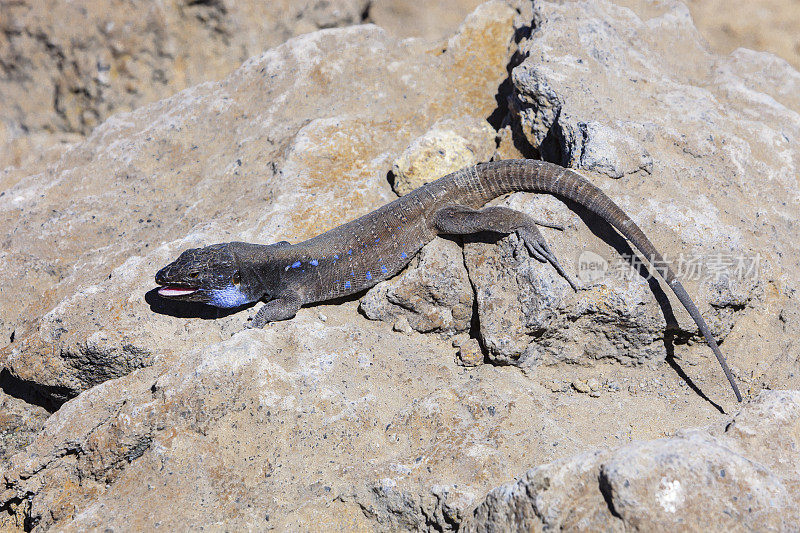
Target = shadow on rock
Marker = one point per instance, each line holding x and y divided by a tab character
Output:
673	334
180	309
33	393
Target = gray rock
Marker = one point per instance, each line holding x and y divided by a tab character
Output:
602	90
470	353
71	65
428	20
398	510
529	315
716	479
20	421
694	482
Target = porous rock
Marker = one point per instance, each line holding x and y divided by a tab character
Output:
641	107
19	422
470	353
449	146
726	477
428	20
433	294
70	65
301	421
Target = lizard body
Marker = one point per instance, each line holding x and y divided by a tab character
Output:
357	255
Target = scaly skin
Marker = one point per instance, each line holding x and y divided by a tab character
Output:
370	249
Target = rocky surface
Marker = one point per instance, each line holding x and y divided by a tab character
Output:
764	25
428	20
289	172
433	294
695	117
449	146
67	66
332	418
736	476
19	420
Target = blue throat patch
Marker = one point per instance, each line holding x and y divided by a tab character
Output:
230	296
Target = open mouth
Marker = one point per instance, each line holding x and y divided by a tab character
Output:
172	291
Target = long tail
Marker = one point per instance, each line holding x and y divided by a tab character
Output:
540	176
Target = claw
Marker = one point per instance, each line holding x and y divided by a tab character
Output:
538	248
559	227
553	261
537	252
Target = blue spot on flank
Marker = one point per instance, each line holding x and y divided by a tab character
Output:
383	269
346	284
377	241
369	275
296	264
352	273
335	257
349	252
314	262
403	255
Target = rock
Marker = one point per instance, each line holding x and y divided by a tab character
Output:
433	294
399	510
470	353
19	422
716	479
74	64
770	26
428	20
449	146
710	224
528	314
694	482
402	325
581	386
283	418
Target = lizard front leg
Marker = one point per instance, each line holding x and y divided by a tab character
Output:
462	220
283	307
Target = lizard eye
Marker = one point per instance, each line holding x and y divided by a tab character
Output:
194	274
237	278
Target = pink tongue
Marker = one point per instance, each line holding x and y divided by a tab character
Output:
175	291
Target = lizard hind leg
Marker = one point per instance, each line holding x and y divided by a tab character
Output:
462	220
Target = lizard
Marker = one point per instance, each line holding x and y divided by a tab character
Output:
358	254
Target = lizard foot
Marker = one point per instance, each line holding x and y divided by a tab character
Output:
537	246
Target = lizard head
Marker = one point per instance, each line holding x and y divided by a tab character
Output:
210	275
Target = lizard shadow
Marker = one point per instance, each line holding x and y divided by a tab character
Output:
32	393
180	309
672	334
